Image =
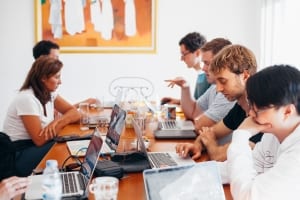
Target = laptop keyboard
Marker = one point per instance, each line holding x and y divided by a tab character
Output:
169	124
69	182
162	159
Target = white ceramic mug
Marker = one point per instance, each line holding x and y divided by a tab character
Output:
104	188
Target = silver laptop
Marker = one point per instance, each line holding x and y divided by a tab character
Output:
175	129
201	181
159	159
80	179
172	129
116	125
111	139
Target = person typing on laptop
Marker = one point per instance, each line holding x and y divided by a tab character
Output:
30	122
232	66
212	106
190	46
12	187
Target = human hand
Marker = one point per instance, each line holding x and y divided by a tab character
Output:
209	140
13	186
169	100
179	81
252	126
89	101
185	149
49	131
207	136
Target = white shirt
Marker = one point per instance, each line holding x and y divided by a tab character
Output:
270	171
25	103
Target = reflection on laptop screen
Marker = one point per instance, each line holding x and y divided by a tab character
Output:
91	157
116	125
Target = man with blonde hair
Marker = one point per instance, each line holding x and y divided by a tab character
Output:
231	67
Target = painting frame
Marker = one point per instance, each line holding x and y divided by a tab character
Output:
88	41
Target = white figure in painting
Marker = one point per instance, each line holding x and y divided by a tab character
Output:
130	18
108	19
96	15
55	18
74	17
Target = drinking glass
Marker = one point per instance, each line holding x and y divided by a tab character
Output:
84	116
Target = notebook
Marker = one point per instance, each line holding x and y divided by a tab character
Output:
78	147
112	138
201	181
175	129
80	178
159	159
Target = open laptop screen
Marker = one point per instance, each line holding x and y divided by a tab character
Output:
116	125
91	157
199	181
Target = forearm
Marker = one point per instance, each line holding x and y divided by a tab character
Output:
188	104
218	153
69	117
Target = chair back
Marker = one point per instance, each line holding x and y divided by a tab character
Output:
7	156
131	87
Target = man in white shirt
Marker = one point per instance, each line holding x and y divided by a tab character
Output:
271	170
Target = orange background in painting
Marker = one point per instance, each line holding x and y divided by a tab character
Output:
91	38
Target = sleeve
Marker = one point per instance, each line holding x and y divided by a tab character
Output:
203	100
27	104
234	117
281	181
219	108
239	156
223	171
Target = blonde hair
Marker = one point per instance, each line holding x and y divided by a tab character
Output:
236	58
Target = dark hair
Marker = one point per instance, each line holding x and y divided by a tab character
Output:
215	45
43	47
193	41
276	85
236	58
43	67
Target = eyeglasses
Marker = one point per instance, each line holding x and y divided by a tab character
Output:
185	54
261	110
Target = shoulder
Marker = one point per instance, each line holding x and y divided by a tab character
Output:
25	94
26	97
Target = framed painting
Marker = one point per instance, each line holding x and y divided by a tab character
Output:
97	26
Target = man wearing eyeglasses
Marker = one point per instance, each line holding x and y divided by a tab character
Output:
212	106
190	46
231	67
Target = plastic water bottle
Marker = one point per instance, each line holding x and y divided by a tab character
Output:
52	184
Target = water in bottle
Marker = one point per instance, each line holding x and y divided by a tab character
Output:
52	184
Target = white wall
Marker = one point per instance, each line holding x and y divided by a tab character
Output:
88	75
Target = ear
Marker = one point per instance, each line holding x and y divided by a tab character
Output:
43	79
246	75
198	52
289	110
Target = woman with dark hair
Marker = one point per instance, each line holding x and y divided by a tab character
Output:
271	170
30	122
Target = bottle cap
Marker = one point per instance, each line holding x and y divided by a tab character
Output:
52	163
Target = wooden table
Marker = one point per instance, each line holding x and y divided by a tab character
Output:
131	187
